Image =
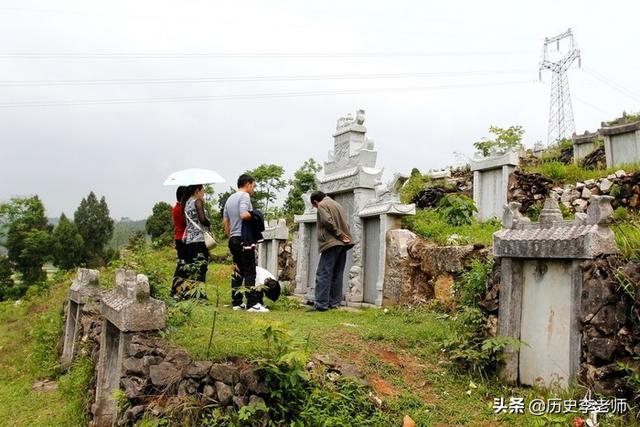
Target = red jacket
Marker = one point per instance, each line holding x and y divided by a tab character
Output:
178	221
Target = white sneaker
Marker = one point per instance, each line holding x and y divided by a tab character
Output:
239	307
258	308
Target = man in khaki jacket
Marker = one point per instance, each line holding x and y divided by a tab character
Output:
334	240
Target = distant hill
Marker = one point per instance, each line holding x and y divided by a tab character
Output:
122	230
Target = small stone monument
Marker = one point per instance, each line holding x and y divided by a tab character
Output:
275	231
541	286
491	181
84	296
621	143
127	308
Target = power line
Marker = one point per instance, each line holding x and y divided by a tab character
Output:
252	96
255	55
612	84
86	82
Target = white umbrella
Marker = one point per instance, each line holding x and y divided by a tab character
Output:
193	177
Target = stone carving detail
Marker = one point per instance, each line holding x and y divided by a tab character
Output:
512	216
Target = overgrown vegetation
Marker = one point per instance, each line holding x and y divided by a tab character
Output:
571	173
626	228
432	225
457	209
29	333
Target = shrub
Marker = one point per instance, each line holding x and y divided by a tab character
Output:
470	349
473	282
457	209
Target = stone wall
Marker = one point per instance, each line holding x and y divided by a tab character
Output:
157	376
610	320
418	271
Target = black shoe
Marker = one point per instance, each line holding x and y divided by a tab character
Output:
314	308
334	307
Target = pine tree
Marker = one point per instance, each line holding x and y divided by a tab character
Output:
95	226
67	245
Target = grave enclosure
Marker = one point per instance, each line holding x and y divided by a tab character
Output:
541	287
353	180
621	143
490	182
127	309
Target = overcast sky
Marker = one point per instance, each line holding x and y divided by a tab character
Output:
481	70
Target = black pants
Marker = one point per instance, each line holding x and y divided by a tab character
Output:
329	277
183	259
244	270
198	258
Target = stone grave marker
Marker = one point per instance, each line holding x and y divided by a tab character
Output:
128	308
541	286
84	295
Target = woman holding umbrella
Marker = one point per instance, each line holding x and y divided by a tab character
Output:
195	221
196	225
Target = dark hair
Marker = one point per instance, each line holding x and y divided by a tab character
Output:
245	179
317	196
188	192
180	192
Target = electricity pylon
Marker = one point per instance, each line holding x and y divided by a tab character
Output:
561	123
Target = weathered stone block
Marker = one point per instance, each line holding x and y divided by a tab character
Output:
164	374
227	374
224	392
198	369
129	307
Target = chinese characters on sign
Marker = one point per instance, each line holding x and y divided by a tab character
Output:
536	407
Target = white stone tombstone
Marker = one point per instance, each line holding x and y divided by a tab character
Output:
491	181
378	217
584	144
621	143
275	232
127	308
84	295
541	286
351	179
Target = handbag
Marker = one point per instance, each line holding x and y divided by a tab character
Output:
209	240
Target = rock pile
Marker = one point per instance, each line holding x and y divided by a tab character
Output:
286	262
157	376
532	189
610	324
528	189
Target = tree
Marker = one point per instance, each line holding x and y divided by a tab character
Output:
27	235
95	227
67	245
508	138
269	182
160	224
8	288
304	180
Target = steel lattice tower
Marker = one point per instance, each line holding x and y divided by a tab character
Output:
561	123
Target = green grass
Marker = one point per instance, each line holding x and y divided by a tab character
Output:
431	225
560	173
29	335
627	232
398	349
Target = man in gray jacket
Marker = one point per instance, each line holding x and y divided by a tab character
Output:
334	240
